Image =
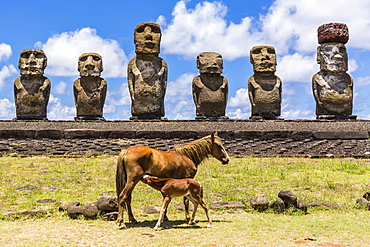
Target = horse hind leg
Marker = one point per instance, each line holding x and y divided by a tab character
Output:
186	205
131	217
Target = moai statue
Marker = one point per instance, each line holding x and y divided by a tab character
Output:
210	88
332	86
147	74
264	87
90	89
32	89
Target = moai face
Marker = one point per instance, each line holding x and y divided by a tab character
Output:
147	38
32	62
90	64
332	57
209	63
263	58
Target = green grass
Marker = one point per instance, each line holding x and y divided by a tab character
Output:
336	181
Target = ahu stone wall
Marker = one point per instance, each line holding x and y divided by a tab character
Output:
295	138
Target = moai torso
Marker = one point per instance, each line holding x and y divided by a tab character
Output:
147	74
210	89
32	89
332	86
264	87
90	89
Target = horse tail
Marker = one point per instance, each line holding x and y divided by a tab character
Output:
121	177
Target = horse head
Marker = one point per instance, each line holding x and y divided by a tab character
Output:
217	149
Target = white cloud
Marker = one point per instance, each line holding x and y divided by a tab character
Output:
297	68
123	94
298	114
64	49
5	51
239	114
204	28
241	99
7	109
180	89
294	23
362	81
57	111
5	72
179	97
60	88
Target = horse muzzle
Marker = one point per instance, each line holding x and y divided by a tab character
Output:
225	160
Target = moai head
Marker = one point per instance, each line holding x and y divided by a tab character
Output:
263	58
90	64
32	62
147	38
331	53
209	63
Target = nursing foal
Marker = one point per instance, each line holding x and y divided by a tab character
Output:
170	188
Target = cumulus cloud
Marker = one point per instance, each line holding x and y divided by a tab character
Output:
297	68
179	100
60	88
119	97
241	99
180	89
293	24
205	28
5	72
58	111
5	51
64	49
7	109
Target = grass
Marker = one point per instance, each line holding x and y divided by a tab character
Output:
336	181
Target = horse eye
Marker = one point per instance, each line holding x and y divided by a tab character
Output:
84	58
96	58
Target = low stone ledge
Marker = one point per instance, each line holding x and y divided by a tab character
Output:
347	135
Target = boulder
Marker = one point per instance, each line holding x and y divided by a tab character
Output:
90	212
260	203
277	205
289	198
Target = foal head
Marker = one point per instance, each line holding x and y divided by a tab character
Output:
217	149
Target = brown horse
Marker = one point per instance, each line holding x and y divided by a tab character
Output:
179	162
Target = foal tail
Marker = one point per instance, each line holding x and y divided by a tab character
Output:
121	173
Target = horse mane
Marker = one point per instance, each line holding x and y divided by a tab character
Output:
196	150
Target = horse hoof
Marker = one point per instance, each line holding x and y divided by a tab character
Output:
121	227
209	226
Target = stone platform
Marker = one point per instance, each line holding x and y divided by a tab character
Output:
299	138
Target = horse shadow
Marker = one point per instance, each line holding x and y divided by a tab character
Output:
174	224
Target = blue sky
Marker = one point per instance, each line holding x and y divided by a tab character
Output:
66	29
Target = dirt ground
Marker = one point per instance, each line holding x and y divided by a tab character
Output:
227	230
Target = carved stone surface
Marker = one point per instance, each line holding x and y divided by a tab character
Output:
32	89
147	74
90	89
332	86
210	88
264	87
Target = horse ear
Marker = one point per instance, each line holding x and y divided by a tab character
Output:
213	136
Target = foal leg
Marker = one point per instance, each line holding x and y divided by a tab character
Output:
186	204
166	201
199	200
192	219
